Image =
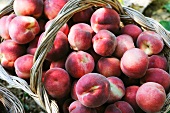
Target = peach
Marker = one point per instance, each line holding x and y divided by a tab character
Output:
59	63
57	83
130	97
105	18
132	30
9	52
77	107
157	75
80	33
60	46
83	16
22	29
158	61
119	107
128	81
151	97
117	89
79	63
23	65
4	26
73	90
134	63
52	7
93	90
65	28
124	42
28	7
104	43
32	46
108	66
150	42
94	54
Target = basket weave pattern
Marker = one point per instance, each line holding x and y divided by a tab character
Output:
36	90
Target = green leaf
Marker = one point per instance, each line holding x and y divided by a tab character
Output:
167	6
165	24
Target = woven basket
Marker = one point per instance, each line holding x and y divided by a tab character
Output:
9	101
36	89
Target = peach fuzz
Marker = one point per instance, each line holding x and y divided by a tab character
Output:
134	63
52	7
132	30
130	97
119	107
57	83
105	18
60	46
157	75
108	66
124	42
4	26
151	97
104	43
79	63
9	52
23	65
150	42
65	28
80	36
77	107
23	29
117	89
83	16
28	7
93	90
158	61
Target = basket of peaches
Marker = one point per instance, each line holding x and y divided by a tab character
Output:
85	56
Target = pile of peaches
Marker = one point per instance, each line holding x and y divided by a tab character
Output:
96	64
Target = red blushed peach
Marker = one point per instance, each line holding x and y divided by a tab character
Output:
151	97
134	63
32	46
108	66
157	75
104	43
124	42
83	16
132	30
105	18
73	90
23	65
158	61
52	7
22	29
130	97
28	7
60	47
57	83
77	107
59	63
65	28
117	89
79	63
9	52
119	107
80	36
93	90
4	24
150	42
94	55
